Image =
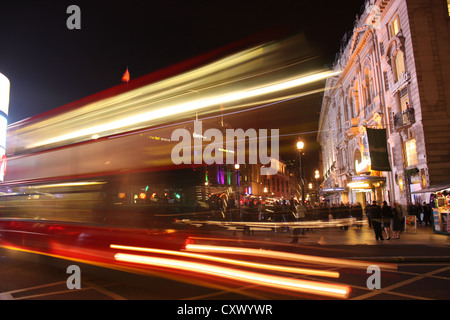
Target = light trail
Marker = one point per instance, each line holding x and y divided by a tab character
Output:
307	271
288	256
311	287
270	225
191	106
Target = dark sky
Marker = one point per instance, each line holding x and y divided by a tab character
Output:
49	65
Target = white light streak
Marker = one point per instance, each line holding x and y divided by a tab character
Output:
318	288
264	266
287	256
183	108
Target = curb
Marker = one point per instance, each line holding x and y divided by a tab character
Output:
402	259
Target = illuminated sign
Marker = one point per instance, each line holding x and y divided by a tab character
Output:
4	106
4	94
358	185
364	166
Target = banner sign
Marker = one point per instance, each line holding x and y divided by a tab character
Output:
4	107
378	149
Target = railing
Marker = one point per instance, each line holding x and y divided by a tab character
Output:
403	79
404	118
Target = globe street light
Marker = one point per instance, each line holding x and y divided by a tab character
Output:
317	176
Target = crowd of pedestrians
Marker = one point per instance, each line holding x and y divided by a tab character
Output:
391	219
386	220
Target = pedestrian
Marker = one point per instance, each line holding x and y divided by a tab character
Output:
397	221
426	214
301	216
419	213
368	209
387	215
376	218
357	213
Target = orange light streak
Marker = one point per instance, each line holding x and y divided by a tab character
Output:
323	273
312	287
287	256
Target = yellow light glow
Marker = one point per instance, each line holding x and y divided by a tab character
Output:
318	288
191	106
307	271
68	184
358	185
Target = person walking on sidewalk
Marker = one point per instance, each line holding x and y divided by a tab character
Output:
426	214
376	217
369	213
397	221
301	216
386	213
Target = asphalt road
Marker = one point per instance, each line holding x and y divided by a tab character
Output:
43	278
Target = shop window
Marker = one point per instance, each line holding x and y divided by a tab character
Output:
411	152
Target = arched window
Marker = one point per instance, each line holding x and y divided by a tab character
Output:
368	90
339	120
399	65
345	107
355	99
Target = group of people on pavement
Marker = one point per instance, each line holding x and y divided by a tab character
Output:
385	218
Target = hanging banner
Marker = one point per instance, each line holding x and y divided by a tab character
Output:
378	149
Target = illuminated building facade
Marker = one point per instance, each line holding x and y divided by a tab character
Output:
395	76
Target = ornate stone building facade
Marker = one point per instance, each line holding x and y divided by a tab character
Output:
395	74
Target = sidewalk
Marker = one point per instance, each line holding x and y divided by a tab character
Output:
421	245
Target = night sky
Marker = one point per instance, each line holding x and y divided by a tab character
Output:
49	65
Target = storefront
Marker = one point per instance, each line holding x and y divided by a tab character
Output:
365	189
334	196
439	196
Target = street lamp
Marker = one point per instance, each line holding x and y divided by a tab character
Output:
300	146
317	176
236	167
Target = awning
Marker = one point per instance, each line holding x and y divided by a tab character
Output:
434	188
334	190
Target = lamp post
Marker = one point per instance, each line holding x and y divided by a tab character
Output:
300	146
317	176
236	167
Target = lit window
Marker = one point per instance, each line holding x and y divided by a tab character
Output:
411	152
404	100
448	6
396	26
400	64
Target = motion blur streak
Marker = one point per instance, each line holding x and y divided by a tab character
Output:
270	225
194	105
288	256
233	261
317	288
